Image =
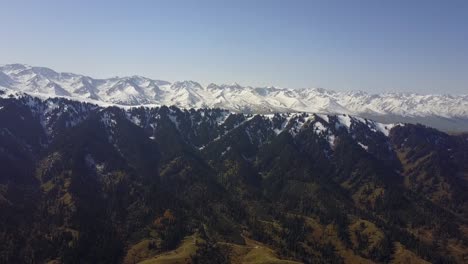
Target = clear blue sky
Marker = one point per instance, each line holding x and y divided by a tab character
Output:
370	45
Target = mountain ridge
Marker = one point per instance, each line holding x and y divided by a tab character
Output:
126	184
447	112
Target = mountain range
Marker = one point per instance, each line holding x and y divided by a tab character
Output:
446	112
87	183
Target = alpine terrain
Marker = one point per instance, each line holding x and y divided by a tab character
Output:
88	175
446	112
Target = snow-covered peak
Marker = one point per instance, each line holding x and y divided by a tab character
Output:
188	85
233	86
13	68
138	90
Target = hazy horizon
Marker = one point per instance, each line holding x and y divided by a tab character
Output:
399	46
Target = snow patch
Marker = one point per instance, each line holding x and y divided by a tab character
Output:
363	146
225	151
319	128
324	117
108	119
344	120
331	140
384	128
174	120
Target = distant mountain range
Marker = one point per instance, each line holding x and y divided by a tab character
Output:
446	112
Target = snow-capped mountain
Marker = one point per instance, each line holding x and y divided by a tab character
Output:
117	169
443	111
55	114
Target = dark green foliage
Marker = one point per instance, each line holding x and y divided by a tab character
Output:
208	252
87	192
383	251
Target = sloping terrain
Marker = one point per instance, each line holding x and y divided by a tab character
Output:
82	183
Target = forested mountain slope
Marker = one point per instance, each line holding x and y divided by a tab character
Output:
82	183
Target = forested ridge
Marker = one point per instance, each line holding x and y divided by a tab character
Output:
81	183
